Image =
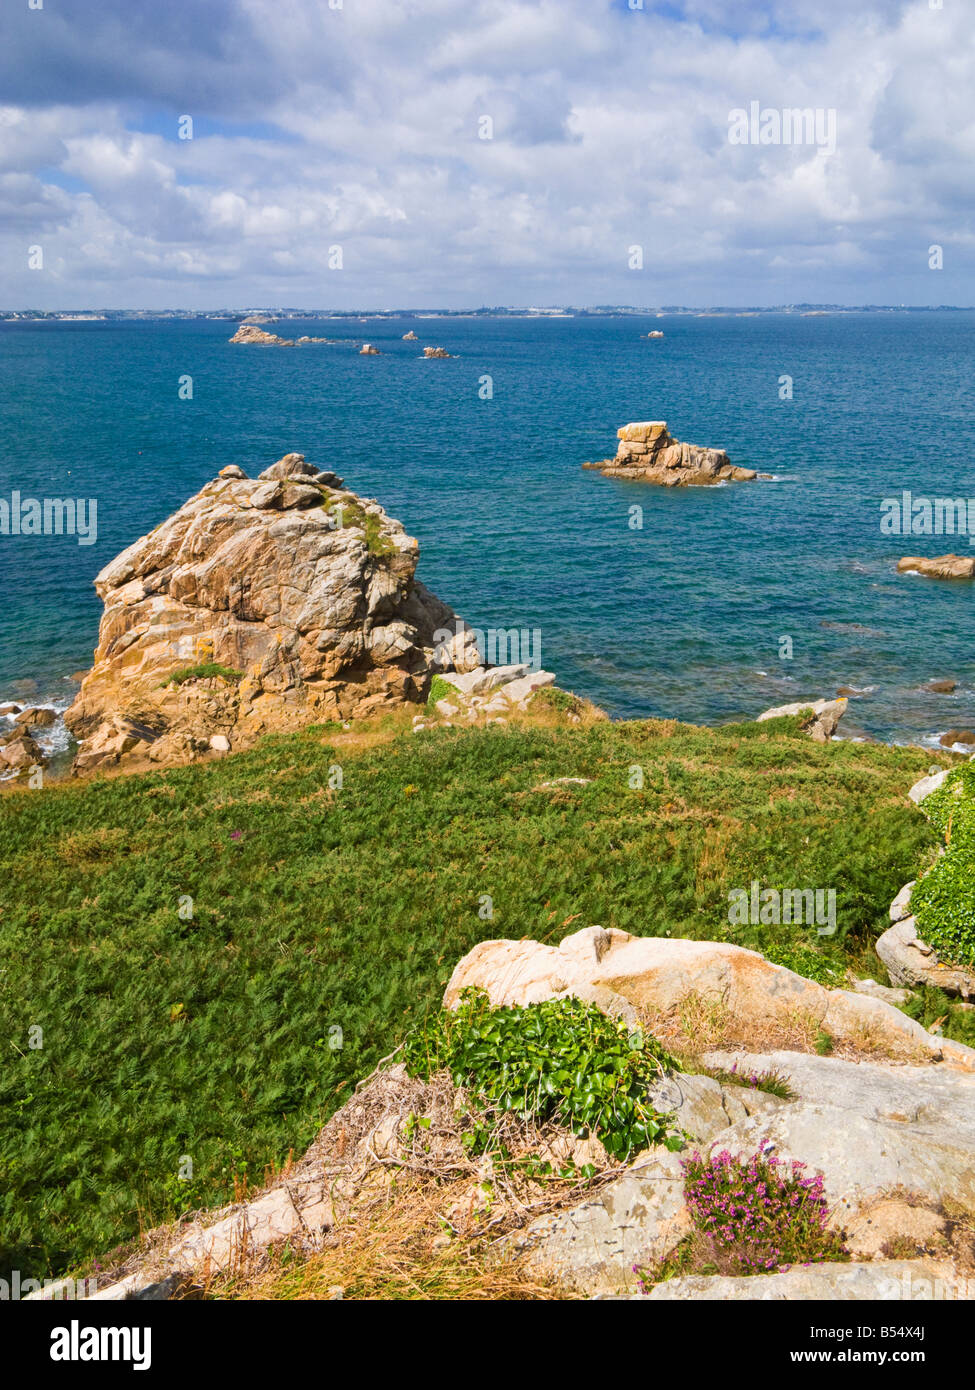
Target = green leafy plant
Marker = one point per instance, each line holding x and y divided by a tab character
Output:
562	1060
440	689
206	670
943	898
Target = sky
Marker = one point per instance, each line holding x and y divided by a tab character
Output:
458	153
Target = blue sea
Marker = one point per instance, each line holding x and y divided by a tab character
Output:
681	618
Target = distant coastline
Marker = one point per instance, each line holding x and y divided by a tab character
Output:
88	314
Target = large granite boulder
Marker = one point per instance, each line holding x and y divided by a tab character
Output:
911	961
659	975
646	451
258	606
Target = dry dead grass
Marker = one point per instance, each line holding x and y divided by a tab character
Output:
416	1214
403	1245
702	1023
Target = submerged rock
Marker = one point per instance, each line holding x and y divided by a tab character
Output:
647	452
966	737
260	605
35	718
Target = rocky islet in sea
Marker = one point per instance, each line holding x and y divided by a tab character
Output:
647	452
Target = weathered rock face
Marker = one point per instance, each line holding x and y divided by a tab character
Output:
912	1281
594	1246
940	566
646	451
302	592
435	352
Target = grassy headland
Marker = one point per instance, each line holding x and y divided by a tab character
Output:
215	954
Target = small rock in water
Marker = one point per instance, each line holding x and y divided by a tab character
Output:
953	736
35	719
941	687
646	451
20	753
939	566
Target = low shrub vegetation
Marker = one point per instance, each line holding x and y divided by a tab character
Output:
206	670
561	1061
440	689
215	954
751	1216
943	899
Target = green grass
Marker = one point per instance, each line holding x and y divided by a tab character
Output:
207	670
214	1036
929	1005
351	514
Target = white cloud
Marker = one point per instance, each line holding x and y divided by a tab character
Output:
610	128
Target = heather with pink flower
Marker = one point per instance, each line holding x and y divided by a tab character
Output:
751	1215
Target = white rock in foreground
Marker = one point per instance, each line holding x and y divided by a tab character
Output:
658	973
889	1280
927	785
